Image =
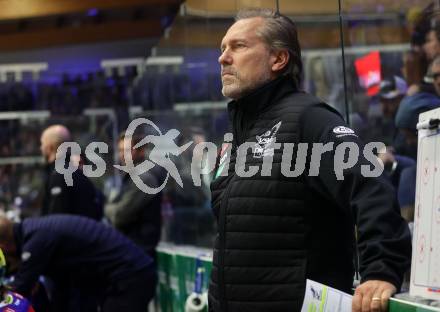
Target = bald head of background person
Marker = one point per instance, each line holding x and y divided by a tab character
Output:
82	198
51	139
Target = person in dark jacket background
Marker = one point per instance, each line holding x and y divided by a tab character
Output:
82	198
277	230
78	253
406	121
133	212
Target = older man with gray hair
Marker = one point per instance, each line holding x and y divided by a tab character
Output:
276	231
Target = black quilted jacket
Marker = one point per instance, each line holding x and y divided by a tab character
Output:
275	231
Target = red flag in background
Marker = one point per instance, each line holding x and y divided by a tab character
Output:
368	71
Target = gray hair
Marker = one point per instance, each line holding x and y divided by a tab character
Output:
280	33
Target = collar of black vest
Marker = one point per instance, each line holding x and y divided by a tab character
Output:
263	97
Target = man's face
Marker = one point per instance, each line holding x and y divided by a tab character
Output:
245	60
432	45
136	154
436	76
122	148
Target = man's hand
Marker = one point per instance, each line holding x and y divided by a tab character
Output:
387	157
372	296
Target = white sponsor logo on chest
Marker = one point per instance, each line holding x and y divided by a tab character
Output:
55	190
265	141
25	256
342	130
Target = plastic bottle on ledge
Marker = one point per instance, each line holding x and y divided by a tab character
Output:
197	301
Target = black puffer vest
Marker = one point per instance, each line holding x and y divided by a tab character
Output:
263	250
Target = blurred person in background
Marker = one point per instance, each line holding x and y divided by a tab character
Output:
129	209
400	162
415	104
414	70
406	121
83	258
435	74
192	221
82	198
391	92
398	155
431	46
423	43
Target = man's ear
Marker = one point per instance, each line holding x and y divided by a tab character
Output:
280	59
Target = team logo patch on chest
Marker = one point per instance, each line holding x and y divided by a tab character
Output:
223	158
264	146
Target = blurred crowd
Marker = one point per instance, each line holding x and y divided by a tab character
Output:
160	88
403	95
22	187
180	213
157	88
69	95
